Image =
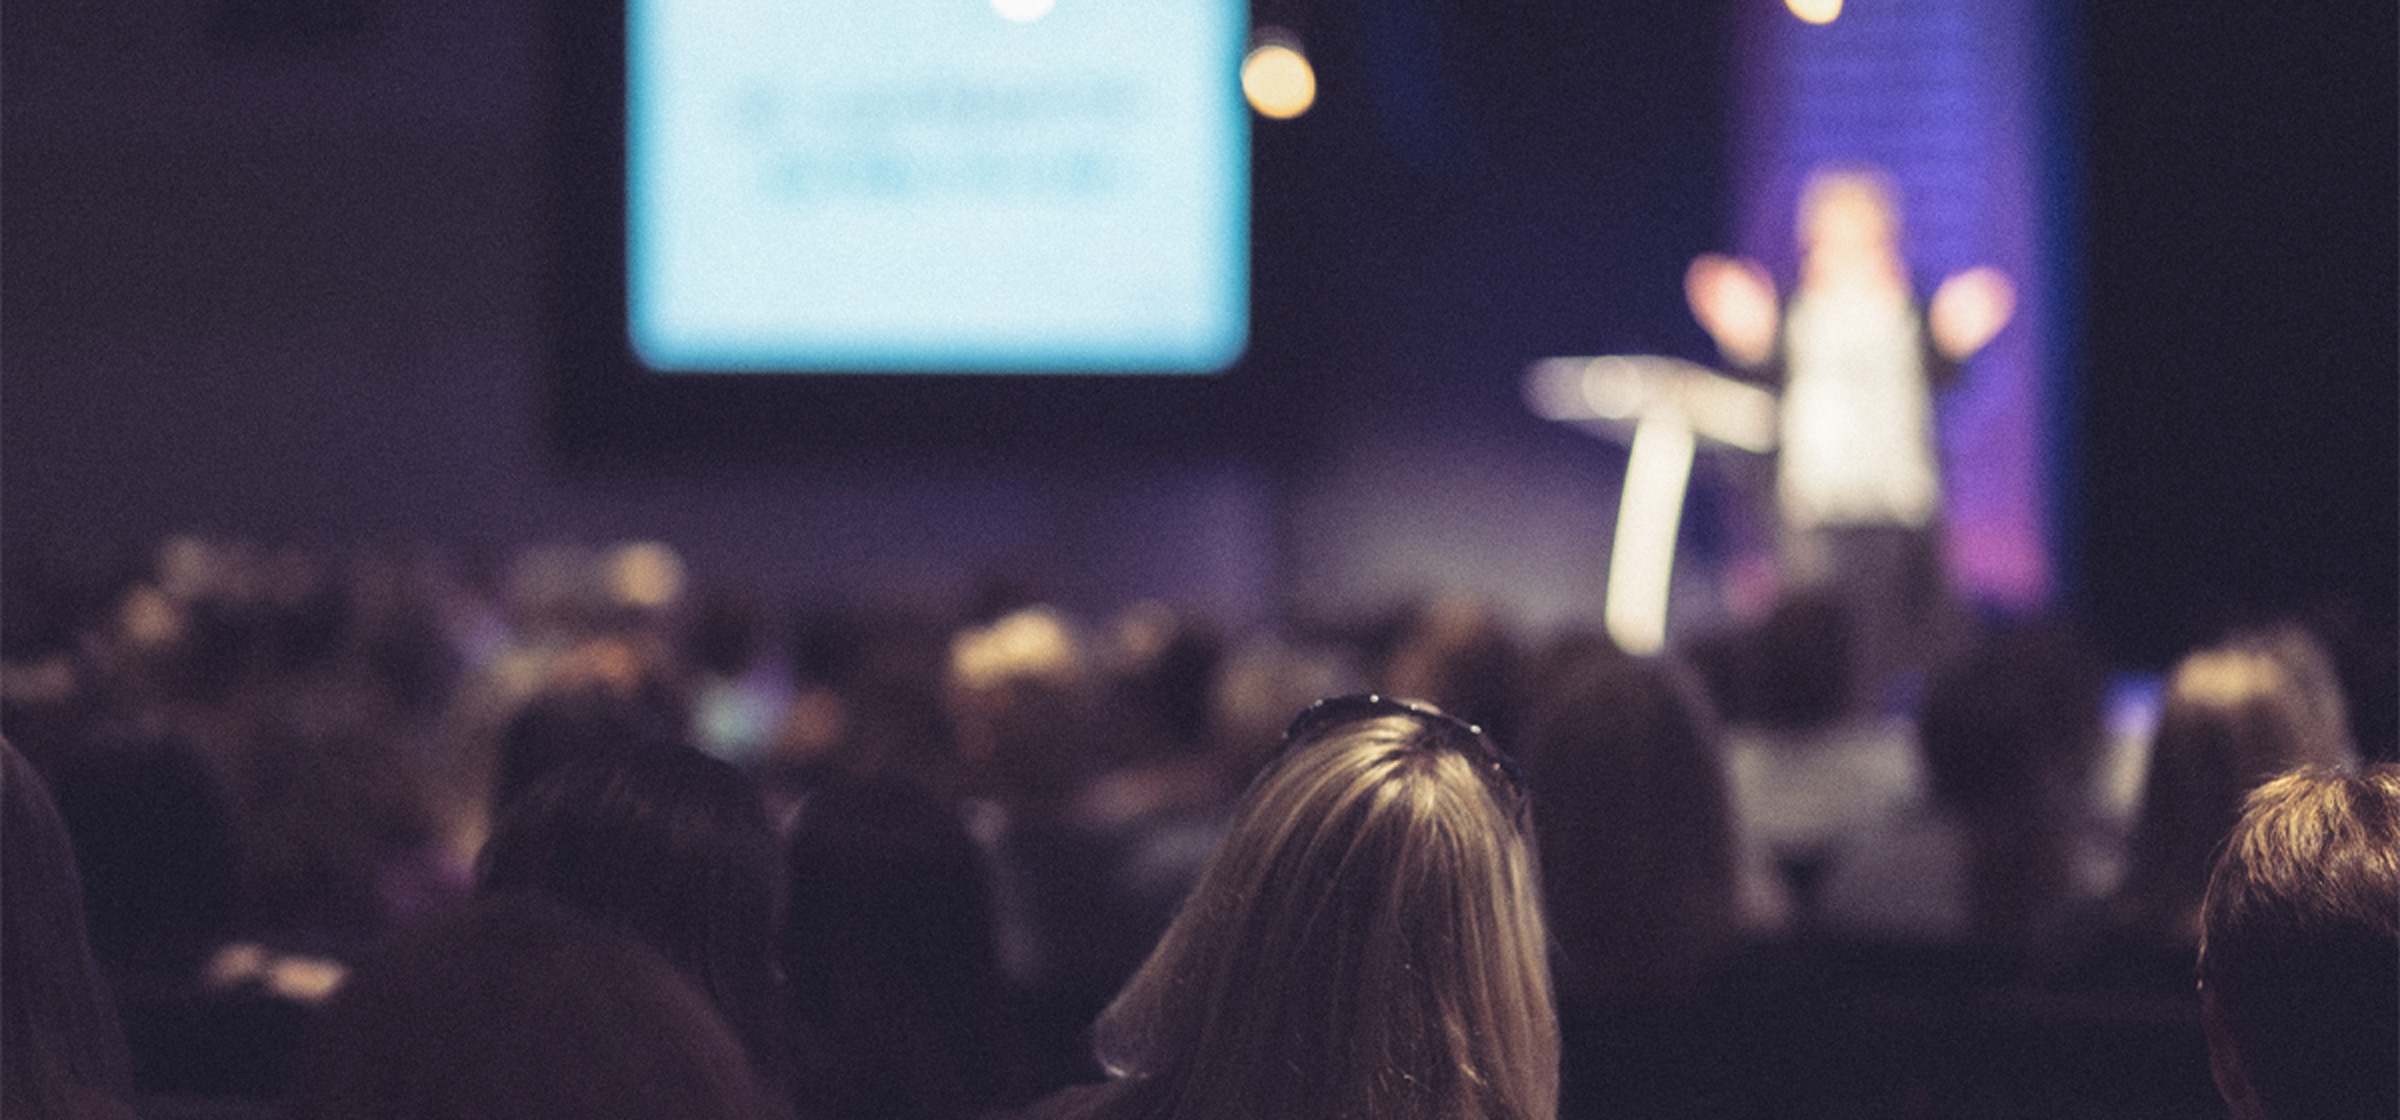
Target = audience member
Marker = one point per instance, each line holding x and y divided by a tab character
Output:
205	1014
1158	670
1020	694
1812	768
670	846
895	1000
2300	950
1642	869
336	842
1651	892
868	700
513	1008
1367	942
581	718
61	1052
1455	652
2233	715
1992	855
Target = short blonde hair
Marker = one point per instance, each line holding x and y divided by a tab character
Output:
1368	941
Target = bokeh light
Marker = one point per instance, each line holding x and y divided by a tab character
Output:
1277	78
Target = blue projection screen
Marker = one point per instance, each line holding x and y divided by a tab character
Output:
977	186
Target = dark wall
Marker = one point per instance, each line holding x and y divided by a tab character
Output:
2240	375
276	274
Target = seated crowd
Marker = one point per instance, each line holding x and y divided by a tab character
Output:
296	835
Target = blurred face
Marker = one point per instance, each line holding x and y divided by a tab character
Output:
1850	236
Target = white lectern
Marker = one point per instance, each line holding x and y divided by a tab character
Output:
1662	407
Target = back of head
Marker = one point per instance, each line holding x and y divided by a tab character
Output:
1367	941
671	846
2233	716
1019	696
156	842
1637	847
511	1007
2300	951
59	1040
2013	725
2010	734
1803	675
579	721
1458	653
888	954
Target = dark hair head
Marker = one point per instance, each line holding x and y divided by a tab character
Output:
2300	949
887	949
589	721
1626	769
326	814
2015	725
58	1031
2010	734
1162	671
157	847
1457	653
671	846
512	1008
1802	659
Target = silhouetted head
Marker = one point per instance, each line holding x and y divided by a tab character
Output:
2233	716
2010	734
514	1008
155	839
1457	653
59	1038
887	948
2014	726
671	846
1637	841
2300	949
584	721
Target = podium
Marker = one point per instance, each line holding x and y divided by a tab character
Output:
1661	408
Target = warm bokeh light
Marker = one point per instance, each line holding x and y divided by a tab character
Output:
1815	11
1278	80
644	574
1022	11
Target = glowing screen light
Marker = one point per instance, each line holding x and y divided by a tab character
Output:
1278	79
885	186
1022	11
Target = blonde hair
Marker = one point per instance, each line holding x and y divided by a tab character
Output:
2234	715
1842	184
1367	942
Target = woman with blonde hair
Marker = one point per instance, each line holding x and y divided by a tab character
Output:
1367	942
2234	715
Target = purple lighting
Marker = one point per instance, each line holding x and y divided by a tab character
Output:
1942	95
